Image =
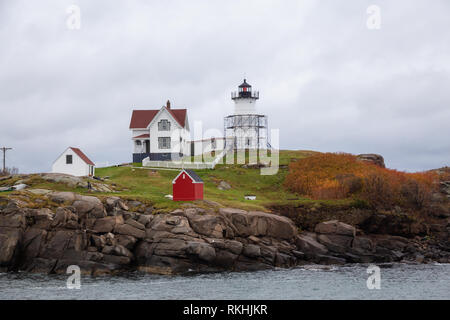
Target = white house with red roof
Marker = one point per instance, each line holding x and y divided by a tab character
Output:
160	134
163	134
74	162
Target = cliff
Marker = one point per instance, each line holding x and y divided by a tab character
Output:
46	231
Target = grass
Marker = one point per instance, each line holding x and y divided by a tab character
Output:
152	186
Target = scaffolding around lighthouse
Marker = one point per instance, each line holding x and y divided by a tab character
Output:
246	129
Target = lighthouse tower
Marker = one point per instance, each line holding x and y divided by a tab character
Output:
246	128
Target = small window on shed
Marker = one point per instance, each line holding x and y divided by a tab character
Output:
69	159
184	176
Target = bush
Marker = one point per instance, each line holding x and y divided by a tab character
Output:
9	171
340	175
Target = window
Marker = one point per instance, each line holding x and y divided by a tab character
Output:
164	142
138	143
69	159
213	143
164	125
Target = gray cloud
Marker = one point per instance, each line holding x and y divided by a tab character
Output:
326	81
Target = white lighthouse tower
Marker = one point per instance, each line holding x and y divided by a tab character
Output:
246	128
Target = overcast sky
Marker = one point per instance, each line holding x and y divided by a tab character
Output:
326	80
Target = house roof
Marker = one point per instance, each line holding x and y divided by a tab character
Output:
141	118
80	153
145	135
191	173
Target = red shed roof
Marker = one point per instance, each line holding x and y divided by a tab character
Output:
82	156
191	174
141	118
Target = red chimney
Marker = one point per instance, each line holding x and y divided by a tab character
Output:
168	104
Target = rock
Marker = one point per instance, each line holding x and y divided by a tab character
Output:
170	223
69	180
115	203
259	223
419	258
60	197
251	250
391	242
298	254
20	186
40	191
12	221
335	227
89	205
129	230
232	246
204	251
107	224
308	244
43	214
110	239
336	243
135	224
98	241
208	225
5	177
134	204
10	239
117	250
325	259
145	219
117	260
56	245
223	185
362	244
126	241
376	159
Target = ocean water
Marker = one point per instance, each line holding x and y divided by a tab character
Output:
398	281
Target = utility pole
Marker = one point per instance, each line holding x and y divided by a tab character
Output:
4	149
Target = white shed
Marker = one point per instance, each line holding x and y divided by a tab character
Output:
74	162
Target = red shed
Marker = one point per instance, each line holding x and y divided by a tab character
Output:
187	186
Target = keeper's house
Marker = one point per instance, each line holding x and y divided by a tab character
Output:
74	162
187	186
160	134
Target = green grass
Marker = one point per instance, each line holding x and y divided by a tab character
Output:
152	186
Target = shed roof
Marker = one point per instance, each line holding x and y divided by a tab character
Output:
191	173
80	153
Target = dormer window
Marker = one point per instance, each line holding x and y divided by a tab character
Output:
164	125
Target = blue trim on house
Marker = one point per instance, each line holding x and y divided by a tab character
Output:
138	157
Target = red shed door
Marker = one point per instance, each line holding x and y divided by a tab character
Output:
183	188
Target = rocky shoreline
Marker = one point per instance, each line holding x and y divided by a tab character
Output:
111	235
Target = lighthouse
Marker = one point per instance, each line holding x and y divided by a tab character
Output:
245	128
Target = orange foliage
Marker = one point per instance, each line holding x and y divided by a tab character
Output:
340	175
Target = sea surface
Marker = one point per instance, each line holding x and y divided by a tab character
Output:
398	281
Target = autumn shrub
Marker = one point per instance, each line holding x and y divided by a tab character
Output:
340	175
